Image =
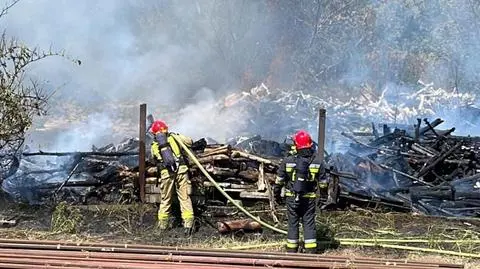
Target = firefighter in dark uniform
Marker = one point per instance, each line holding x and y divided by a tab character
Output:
300	174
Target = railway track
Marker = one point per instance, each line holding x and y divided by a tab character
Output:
53	254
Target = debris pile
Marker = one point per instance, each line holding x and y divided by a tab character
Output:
245	168
241	174
276	113
75	177
422	168
418	168
412	167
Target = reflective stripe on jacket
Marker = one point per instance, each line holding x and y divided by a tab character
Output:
288	173
155	150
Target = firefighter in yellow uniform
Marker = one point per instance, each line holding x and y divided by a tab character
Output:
172	170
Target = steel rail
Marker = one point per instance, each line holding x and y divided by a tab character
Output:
148	259
312	258
65	262
130	260
154	258
150	249
141	258
114	263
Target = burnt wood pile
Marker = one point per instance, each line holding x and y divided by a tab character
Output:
419	166
110	174
76	177
241	174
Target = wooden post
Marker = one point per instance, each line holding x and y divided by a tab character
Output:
321	133
141	150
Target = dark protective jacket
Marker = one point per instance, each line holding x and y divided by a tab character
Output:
301	174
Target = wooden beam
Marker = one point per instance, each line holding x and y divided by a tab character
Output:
321	133
141	151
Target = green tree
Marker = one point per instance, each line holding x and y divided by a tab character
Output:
21	98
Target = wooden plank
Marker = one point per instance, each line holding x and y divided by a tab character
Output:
236	153
151	180
254	195
141	150
234	190
152	198
271	201
436	160
321	133
261	185
229	185
221	184
152	188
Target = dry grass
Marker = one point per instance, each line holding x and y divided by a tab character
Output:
136	224
66	219
394	226
404	226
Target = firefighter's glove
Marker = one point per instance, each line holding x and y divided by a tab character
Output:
277	193
160	168
332	168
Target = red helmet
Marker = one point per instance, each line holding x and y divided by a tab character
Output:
302	140
159	126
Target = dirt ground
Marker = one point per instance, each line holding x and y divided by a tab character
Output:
136	224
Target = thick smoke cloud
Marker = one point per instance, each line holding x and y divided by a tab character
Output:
161	53
183	56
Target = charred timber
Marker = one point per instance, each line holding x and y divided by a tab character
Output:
215	151
431	126
79	153
233	226
72	184
249	174
213	158
424	150
436	160
417	129
438	192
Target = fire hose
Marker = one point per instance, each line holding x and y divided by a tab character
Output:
341	241
220	189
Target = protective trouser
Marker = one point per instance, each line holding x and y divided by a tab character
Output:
184	190
303	210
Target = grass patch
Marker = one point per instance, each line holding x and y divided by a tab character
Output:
369	228
66	219
115	219
135	223
245	242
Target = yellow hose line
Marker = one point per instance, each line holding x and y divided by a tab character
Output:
346	241
342	242
367	244
219	188
431	250
412	240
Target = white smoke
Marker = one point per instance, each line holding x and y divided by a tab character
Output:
131	54
164	53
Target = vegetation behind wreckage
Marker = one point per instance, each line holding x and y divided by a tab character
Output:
21	98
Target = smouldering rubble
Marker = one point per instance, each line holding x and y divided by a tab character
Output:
275	113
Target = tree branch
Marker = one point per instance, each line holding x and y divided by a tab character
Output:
4	11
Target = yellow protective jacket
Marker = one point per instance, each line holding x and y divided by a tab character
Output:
177	152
